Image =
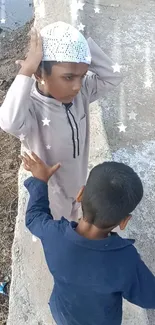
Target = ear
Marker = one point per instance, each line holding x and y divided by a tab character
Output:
37	77
80	194
124	222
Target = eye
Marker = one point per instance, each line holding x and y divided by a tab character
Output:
83	76
69	78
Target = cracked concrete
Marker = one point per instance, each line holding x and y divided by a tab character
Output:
126	31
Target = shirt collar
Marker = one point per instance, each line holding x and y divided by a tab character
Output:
112	242
48	98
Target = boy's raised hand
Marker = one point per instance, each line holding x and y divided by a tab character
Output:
34	56
38	168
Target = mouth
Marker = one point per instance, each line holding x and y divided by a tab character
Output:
72	96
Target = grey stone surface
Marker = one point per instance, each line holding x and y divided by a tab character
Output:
31	282
125	30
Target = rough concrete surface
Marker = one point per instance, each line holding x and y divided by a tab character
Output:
125	30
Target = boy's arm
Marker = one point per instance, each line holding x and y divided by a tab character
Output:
15	111
103	78
38	215
141	290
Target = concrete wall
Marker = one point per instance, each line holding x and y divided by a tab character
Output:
126	31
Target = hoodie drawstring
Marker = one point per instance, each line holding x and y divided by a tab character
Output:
68	112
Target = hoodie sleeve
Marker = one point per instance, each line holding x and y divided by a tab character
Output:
102	77
15	113
39	219
141	290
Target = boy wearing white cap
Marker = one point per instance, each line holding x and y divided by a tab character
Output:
50	115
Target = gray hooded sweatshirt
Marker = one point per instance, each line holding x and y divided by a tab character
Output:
58	132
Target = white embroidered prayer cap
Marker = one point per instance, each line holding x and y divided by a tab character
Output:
64	43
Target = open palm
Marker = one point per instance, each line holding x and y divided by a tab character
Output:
37	167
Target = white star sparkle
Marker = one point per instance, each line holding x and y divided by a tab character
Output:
88	58
2	21
116	67
48	147
75	7
148	84
22	137
46	121
122	127
80	5
81	27
97	10
34	239
56	189
132	115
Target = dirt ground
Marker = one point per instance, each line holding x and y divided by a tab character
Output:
13	46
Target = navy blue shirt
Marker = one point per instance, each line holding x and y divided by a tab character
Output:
90	276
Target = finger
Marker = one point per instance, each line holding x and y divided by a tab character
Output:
54	168
26	162
29	159
19	62
27	168
39	43
34	38
36	158
26	55
37	37
30	32
22	158
33	30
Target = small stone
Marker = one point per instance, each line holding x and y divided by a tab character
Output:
1	82
113	18
17	250
5	229
11	166
10	163
3	252
6	278
115	5
7	175
11	229
25	318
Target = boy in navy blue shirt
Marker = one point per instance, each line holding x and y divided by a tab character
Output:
93	268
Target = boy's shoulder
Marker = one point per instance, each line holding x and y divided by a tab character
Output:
118	242
62	223
124	247
124	257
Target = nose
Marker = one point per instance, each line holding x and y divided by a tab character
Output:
77	86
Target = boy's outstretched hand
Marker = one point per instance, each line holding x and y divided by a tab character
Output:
38	168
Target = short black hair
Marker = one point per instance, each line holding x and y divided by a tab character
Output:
45	66
112	192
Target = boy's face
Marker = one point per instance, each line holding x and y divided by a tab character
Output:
65	81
